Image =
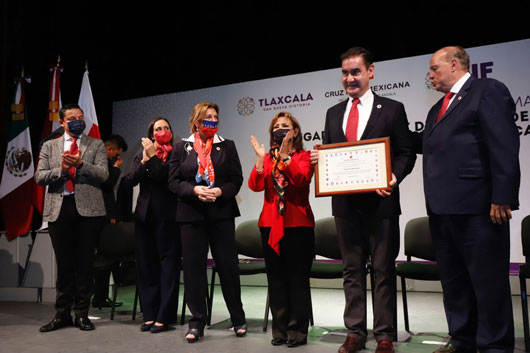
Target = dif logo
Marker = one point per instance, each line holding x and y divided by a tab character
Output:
479	70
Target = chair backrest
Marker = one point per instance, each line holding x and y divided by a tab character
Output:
525	236
248	239
418	241
326	239
117	240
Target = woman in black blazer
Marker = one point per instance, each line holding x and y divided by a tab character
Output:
157	238
205	174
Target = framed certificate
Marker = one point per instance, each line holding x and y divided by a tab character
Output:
353	167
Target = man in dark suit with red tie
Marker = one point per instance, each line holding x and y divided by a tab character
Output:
471	180
368	223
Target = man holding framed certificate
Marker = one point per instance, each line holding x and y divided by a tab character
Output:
367	218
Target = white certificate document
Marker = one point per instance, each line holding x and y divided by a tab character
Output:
361	166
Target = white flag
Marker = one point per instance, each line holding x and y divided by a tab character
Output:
86	102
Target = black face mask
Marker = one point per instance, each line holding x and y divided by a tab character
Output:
76	127
279	135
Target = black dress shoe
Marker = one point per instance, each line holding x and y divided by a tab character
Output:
84	323
278	341
56	324
146	327
107	303
196	333
293	343
158	329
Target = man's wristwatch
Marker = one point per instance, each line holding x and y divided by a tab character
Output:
288	158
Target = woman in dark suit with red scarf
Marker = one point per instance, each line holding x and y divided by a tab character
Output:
205	174
287	227
157	238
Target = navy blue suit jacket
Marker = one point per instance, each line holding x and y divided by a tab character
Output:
471	155
183	167
155	202
388	118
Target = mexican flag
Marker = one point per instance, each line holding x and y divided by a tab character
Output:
86	102
18	169
51	123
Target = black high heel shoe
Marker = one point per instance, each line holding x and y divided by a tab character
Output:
146	327
196	333
158	329
243	328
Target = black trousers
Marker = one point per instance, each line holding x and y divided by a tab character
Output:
220	235
158	267
361	237
288	279
74	241
473	255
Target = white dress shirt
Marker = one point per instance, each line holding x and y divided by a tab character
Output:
458	86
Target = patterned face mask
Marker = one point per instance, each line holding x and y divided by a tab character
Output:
209	128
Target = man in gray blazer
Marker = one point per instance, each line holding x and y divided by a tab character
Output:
73	167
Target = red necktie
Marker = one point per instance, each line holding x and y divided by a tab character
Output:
71	172
353	122
445	104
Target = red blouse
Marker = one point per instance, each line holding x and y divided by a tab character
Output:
297	209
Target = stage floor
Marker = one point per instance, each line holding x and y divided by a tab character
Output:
20	322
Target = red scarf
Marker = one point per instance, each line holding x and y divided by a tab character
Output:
280	182
205	161
163	150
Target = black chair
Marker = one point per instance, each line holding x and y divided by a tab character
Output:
418	244
524	273
116	253
326	245
248	243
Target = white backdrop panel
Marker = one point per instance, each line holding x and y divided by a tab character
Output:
247	108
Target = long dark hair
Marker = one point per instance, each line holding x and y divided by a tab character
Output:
151	128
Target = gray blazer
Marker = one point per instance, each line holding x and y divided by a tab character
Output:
94	171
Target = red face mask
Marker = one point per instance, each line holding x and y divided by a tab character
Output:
163	137
209	132
209	128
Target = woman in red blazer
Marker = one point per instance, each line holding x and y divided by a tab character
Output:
287	227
